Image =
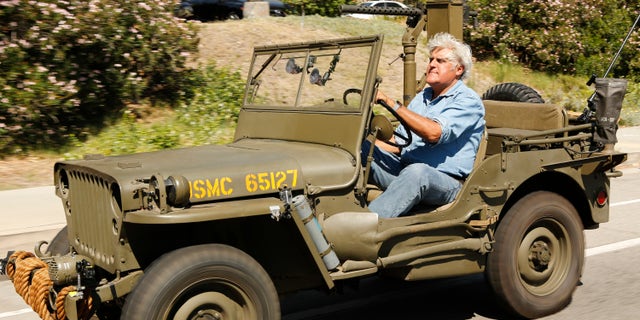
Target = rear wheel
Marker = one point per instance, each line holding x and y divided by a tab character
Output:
538	256
512	91
211	281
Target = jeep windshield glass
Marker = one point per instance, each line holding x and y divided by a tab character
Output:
327	78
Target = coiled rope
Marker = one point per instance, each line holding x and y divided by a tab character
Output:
30	277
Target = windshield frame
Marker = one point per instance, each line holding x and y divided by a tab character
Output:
267	56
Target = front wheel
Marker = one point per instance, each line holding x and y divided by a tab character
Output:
210	281
538	256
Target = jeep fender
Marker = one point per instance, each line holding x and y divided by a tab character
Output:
253	215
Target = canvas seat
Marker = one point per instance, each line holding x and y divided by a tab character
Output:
507	119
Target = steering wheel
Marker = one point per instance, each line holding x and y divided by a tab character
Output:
348	92
407	139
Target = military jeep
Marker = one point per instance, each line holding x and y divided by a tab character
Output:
224	230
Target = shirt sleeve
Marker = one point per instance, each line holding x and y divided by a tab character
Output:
462	113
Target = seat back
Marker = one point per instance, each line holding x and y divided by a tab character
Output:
508	118
524	115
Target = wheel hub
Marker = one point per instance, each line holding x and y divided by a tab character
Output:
209	306
539	255
208	315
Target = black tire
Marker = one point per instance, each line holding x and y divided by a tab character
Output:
214	280
233	15
538	256
512	91
59	245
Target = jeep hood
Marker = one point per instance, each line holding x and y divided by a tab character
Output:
217	172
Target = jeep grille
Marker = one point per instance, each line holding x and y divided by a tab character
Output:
93	212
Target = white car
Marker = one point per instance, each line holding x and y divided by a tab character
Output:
376	4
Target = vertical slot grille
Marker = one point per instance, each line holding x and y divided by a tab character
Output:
92	209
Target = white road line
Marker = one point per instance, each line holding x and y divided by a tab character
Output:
15	313
622	203
612	247
616	245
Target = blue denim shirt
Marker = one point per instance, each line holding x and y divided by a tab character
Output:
460	113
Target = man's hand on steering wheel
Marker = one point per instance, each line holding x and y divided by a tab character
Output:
408	138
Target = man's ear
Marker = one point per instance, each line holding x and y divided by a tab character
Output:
459	71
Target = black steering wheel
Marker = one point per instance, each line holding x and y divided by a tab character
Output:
348	92
407	139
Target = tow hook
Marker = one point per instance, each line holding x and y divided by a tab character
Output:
3	263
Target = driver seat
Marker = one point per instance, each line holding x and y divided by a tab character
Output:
374	191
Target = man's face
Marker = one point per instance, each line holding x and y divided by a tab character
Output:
442	73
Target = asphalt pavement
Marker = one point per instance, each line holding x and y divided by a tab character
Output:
49	214
629	142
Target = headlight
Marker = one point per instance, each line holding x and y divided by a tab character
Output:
178	191
173	191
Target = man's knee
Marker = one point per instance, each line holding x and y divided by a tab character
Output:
417	172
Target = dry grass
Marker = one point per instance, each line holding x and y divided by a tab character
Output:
26	172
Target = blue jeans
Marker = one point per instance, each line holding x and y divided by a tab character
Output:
406	185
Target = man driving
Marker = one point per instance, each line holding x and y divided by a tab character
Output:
446	121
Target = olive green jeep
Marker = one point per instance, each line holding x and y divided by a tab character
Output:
224	230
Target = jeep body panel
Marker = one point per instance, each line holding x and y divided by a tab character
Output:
246	168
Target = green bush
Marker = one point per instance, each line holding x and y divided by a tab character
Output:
571	37
213	109
208	118
68	66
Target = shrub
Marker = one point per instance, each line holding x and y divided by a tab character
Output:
573	37
67	66
215	107
208	118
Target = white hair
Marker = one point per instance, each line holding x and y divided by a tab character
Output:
460	52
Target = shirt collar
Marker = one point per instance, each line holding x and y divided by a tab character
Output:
429	92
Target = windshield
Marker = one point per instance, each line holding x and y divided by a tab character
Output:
328	77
